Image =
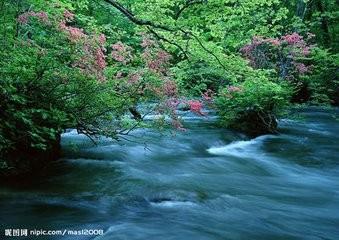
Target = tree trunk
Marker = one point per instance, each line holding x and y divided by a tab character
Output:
301	9
324	24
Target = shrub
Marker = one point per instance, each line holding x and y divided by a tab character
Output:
252	106
285	54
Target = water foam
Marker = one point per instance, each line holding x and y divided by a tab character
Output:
171	204
239	147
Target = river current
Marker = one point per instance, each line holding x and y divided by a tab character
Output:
202	184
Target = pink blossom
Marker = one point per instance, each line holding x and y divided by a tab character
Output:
134	77
196	106
62	25
42	16
246	49
102	39
92	61
118	57
306	51
163	56
100	59
119	46
273	41
301	68
74	34
121	53
293	48
172	103
69	16
157	62
147	42
293	38
170	88
154	66
24	18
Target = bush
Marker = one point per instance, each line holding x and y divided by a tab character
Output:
252	106
285	54
288	55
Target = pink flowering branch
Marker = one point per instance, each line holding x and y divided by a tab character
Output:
196	107
24	18
282	53
121	53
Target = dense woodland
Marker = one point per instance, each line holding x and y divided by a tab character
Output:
90	64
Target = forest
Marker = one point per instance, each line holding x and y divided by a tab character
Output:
121	73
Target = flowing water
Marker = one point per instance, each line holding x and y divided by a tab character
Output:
205	183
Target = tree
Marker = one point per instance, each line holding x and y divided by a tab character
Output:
63	74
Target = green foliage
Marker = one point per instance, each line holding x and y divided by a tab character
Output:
323	80
253	100
51	81
195	78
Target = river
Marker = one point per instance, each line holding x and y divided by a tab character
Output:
204	183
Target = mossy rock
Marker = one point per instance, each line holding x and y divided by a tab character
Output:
255	123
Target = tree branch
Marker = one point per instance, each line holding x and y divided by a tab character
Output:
136	20
149	24
203	47
187	5
159	37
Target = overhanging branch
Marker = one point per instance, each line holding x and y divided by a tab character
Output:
187	5
150	25
158	36
136	20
